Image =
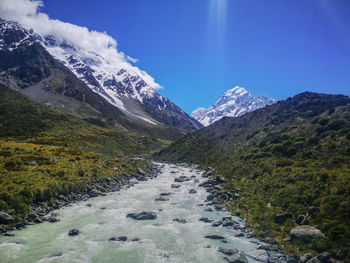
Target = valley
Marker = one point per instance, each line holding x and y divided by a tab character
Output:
97	164
177	234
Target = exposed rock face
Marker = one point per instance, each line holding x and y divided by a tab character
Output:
143	216
305	233
6	218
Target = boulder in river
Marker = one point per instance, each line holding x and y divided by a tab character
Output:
178	180
258	254
73	232
53	219
143	216
122	238
161	198
180	220
6	218
237	258
165	194
228	251
305	233
192	191
205	220
175	186
214	237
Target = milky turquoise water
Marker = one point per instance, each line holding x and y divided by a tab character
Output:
160	240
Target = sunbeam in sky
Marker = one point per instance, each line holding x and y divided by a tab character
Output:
217	18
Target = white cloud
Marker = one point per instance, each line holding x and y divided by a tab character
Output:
27	13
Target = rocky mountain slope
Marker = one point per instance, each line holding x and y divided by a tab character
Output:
233	103
44	154
52	71
287	164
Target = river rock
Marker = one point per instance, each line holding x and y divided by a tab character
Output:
185	178
305	233
175	186
192	191
216	223
267	247
180	220
121	238
216	237
227	221
93	193
259	255
205	220
143	216
57	254
161	198
53	219
73	232
178	180
165	194
236	258
228	251
6	218
8	234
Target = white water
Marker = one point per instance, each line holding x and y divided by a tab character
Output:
161	240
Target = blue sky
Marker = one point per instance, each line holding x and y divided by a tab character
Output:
198	49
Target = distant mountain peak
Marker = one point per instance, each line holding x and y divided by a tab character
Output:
233	103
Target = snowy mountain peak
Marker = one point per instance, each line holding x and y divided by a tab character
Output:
236	91
233	103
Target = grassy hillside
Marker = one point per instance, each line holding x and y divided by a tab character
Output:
23	119
291	157
44	153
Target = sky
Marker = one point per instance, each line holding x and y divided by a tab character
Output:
198	49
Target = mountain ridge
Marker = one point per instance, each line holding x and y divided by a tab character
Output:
29	67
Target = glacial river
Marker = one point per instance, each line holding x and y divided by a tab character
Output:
159	240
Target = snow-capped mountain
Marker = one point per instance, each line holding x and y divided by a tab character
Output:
233	103
123	86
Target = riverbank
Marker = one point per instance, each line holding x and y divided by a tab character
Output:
99	187
183	227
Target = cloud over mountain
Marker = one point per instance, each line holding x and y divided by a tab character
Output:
27	13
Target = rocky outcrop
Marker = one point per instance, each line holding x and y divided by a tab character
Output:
305	233
6	218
